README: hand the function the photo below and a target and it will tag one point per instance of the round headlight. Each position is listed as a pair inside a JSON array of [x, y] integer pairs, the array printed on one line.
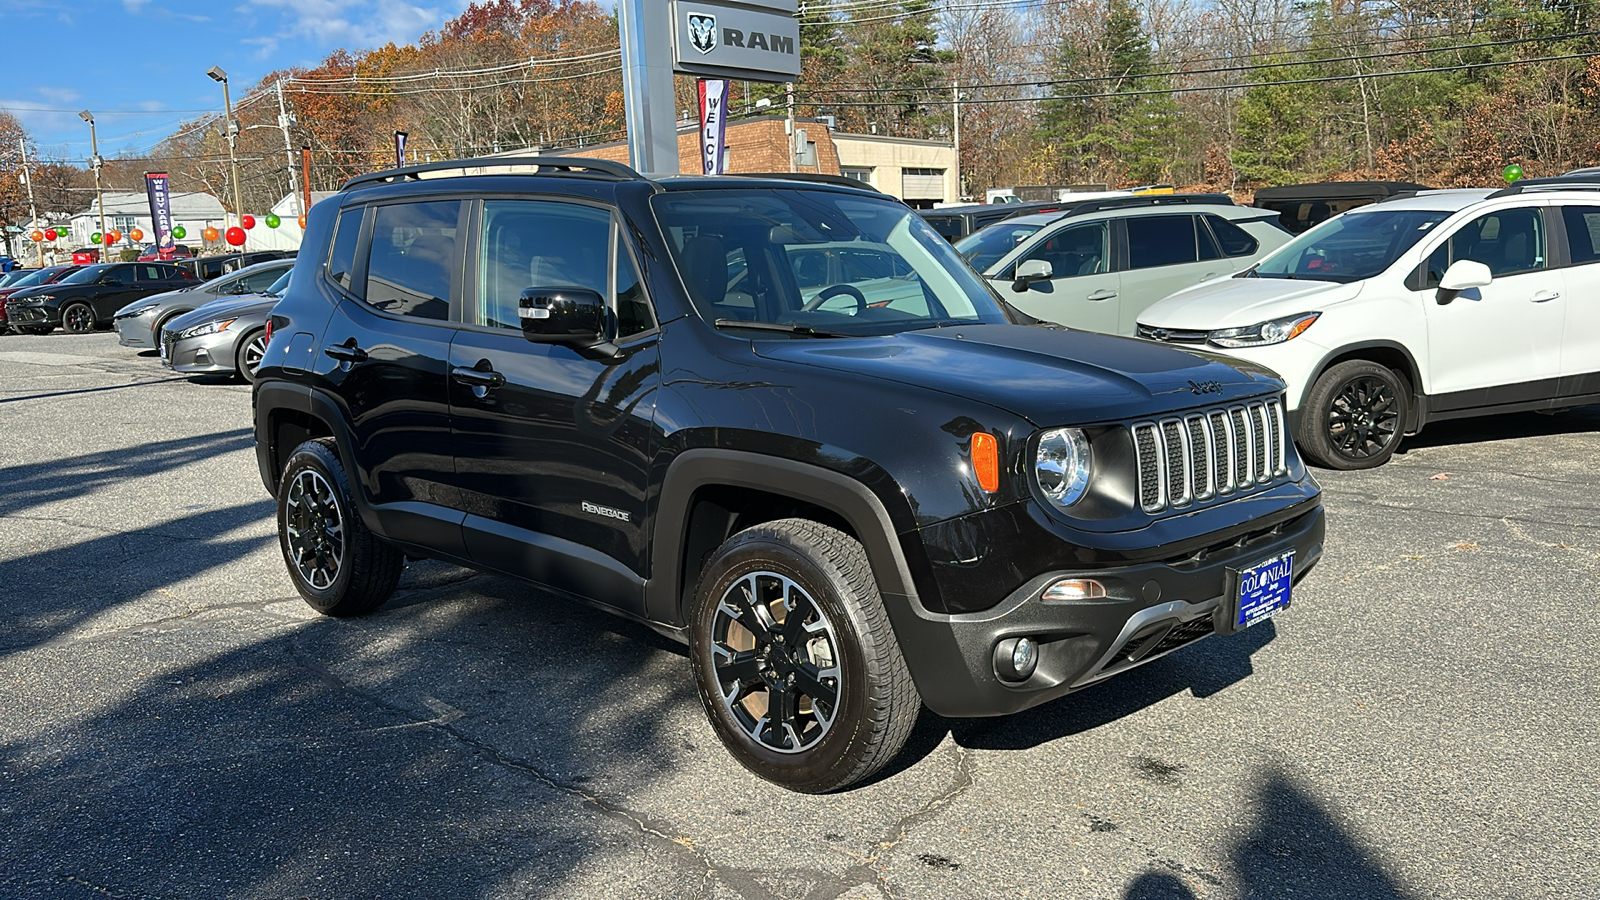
[[1062, 465]]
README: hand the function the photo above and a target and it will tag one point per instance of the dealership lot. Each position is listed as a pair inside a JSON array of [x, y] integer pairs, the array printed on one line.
[[175, 722]]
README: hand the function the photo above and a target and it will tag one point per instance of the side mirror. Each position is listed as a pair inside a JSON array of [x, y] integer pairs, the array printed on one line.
[[1462, 274], [563, 315], [1031, 271]]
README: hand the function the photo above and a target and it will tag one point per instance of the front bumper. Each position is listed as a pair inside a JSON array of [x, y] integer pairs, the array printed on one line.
[[20, 315], [1150, 609], [207, 354], [135, 330]]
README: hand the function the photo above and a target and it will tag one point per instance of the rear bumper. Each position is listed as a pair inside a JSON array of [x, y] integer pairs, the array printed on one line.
[[1149, 610]]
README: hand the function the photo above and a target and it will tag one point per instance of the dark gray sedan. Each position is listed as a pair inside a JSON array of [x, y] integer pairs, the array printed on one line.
[[139, 323], [227, 336]]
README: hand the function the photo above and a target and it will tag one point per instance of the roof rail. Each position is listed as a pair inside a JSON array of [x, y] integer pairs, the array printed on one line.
[[815, 177], [1146, 200], [571, 165], [1584, 182]]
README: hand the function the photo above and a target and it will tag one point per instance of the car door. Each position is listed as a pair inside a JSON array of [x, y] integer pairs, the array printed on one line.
[[1580, 338], [553, 444], [1500, 343], [1164, 254], [385, 352], [117, 287], [1082, 291]]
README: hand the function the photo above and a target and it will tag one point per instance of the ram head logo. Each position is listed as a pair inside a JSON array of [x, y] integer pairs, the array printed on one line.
[[703, 32]]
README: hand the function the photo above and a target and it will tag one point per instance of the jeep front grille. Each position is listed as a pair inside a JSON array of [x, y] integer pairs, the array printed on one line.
[[1210, 454]]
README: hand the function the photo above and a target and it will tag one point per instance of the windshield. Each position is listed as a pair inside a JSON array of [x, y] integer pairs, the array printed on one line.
[[85, 275], [984, 248], [818, 260], [1352, 247], [37, 277]]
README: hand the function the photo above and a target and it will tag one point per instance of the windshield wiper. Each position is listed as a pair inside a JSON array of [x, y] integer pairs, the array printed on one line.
[[785, 327]]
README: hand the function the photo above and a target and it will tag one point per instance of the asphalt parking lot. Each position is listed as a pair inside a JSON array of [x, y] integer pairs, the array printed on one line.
[[175, 722]]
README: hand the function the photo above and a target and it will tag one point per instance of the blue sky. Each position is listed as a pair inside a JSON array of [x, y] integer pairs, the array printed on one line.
[[139, 65]]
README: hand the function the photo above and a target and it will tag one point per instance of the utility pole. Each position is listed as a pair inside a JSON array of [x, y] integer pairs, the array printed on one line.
[[288, 150], [955, 114], [788, 126], [33, 210], [231, 128], [94, 163]]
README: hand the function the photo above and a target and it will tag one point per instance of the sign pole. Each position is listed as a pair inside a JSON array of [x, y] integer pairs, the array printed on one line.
[[649, 104]]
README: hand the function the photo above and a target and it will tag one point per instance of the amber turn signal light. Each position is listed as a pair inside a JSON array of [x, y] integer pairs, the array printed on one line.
[[986, 461]]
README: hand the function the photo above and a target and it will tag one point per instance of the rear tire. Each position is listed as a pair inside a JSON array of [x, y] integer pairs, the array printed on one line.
[[818, 699], [77, 318], [1354, 416], [336, 564]]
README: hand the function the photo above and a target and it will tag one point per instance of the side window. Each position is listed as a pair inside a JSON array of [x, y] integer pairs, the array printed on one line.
[[1509, 241], [342, 257], [1233, 240], [413, 258], [120, 275], [535, 243], [1077, 250], [633, 309], [256, 282], [1583, 233], [1206, 244], [1161, 241]]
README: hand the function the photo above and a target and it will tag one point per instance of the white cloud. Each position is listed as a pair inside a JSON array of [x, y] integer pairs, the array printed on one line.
[[356, 24], [59, 96], [134, 6]]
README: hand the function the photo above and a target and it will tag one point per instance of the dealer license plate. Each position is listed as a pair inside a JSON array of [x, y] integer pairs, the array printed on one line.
[[1264, 590]]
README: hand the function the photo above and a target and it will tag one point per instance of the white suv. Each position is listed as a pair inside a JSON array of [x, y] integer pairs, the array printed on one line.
[[1435, 306]]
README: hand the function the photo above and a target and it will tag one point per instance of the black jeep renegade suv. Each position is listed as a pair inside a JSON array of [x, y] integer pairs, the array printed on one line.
[[780, 421]]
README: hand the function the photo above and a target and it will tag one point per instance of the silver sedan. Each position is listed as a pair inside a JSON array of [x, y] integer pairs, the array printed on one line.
[[139, 323], [225, 337]]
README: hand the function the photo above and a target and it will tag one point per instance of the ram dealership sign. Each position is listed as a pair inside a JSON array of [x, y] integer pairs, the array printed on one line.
[[748, 40]]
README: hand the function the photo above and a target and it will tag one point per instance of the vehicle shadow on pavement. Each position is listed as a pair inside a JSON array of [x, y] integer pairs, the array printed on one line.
[[473, 739], [30, 485]]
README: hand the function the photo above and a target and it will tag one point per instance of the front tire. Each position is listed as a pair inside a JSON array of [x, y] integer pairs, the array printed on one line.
[[247, 358], [1354, 416], [336, 564], [796, 664], [77, 318]]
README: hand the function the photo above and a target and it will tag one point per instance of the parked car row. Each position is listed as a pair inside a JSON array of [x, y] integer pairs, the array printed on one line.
[[1412, 307]]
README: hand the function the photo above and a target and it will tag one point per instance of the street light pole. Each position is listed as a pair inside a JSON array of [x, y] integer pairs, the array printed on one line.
[[33, 210], [94, 163], [231, 128]]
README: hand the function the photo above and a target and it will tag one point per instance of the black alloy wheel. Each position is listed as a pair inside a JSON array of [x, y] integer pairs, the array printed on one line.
[[796, 664], [247, 359], [77, 318], [1355, 416], [336, 564]]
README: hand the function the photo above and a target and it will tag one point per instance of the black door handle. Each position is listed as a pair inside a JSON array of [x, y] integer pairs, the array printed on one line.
[[478, 377], [347, 352]]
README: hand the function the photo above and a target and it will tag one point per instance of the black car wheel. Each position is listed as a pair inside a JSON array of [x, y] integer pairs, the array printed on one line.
[[797, 666], [1354, 416], [247, 358], [77, 318], [337, 565]]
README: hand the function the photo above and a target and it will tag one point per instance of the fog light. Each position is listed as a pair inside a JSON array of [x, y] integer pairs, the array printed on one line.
[[1069, 589], [1016, 658]]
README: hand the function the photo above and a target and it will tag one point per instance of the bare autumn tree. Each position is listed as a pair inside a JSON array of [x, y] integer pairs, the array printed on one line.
[[13, 193]]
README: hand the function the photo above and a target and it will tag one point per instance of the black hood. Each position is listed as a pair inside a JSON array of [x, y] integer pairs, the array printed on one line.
[[1047, 376]]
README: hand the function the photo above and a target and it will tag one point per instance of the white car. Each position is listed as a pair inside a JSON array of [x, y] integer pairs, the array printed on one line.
[[1437, 306], [1099, 265]]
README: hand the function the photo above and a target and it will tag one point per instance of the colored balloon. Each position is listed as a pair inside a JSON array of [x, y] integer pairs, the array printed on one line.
[[302, 221], [137, 235], [1512, 173], [247, 221], [210, 234], [236, 236], [273, 221], [179, 231], [95, 238], [113, 236], [37, 236], [50, 234]]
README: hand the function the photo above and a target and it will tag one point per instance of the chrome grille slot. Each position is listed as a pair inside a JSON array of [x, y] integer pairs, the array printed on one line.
[[1209, 454]]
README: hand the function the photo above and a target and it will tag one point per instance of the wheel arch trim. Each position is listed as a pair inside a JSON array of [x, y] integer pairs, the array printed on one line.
[[1417, 414]]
